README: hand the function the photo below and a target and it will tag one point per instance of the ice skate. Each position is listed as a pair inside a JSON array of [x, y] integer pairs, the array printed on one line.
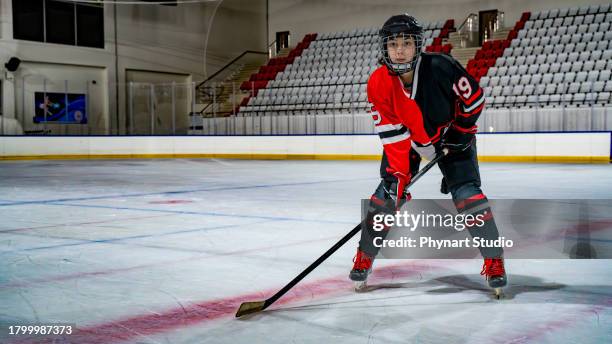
[[361, 269], [493, 270]]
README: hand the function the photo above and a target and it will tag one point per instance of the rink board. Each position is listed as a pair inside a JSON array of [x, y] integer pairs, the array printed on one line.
[[495, 147]]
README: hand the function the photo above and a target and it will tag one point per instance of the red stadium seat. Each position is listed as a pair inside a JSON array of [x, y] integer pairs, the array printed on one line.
[[519, 25], [246, 85], [525, 16]]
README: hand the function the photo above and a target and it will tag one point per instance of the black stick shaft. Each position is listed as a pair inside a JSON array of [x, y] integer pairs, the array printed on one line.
[[340, 243], [312, 266], [427, 167]]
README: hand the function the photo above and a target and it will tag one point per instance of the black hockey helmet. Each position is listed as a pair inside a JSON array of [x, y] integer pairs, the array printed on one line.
[[403, 25]]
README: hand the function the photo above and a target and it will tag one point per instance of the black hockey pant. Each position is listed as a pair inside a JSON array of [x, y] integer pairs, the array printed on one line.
[[461, 179]]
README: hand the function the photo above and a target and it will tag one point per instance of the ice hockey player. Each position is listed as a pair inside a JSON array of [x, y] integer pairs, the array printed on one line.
[[422, 103]]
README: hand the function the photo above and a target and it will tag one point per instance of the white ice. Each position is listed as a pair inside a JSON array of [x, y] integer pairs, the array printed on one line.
[[164, 251]]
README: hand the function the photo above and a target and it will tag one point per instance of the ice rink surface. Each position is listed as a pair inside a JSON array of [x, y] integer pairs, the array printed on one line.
[[164, 251]]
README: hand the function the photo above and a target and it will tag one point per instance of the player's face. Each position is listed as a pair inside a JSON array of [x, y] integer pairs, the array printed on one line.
[[402, 49]]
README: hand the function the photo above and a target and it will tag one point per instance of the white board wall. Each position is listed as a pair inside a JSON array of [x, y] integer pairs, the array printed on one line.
[[545, 147]]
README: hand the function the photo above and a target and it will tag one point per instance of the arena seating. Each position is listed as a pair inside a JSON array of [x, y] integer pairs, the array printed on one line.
[[486, 56], [328, 74], [552, 58], [560, 57], [276, 65]]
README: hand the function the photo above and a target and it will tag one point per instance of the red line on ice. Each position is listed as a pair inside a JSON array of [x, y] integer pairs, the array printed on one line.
[[198, 313], [172, 201]]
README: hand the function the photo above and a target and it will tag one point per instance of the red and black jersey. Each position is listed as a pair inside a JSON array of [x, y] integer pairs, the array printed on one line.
[[442, 94]]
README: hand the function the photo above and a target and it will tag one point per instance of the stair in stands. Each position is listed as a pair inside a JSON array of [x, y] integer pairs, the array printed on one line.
[[268, 72], [227, 97], [454, 38], [284, 52], [492, 49], [463, 55], [500, 34]]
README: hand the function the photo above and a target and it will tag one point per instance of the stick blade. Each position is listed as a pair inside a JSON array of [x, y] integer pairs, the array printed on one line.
[[250, 308]]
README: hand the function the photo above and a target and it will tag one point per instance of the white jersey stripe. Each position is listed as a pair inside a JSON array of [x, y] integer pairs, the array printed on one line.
[[396, 138], [476, 104], [388, 127], [415, 82]]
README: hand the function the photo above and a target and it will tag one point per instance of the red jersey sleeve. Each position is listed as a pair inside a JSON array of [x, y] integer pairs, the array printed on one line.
[[392, 131]]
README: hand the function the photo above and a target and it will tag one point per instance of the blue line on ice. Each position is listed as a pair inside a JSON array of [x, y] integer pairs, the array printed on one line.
[[180, 192], [184, 212], [101, 241]]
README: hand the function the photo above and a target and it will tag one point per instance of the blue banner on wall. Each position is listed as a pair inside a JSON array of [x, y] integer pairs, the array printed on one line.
[[58, 111]]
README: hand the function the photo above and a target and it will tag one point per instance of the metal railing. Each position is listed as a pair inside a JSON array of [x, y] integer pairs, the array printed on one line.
[[218, 87], [468, 31], [494, 26], [228, 65], [272, 50], [159, 108], [287, 123]]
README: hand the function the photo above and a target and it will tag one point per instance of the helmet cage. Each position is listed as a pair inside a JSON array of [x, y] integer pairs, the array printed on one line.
[[400, 68]]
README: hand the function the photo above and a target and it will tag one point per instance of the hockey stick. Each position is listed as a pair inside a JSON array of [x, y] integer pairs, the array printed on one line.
[[258, 306]]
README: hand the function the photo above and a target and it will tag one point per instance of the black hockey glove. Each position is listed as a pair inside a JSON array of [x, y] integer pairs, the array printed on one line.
[[458, 139]]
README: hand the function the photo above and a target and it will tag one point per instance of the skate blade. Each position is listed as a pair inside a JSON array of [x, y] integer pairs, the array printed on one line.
[[361, 286], [498, 293]]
